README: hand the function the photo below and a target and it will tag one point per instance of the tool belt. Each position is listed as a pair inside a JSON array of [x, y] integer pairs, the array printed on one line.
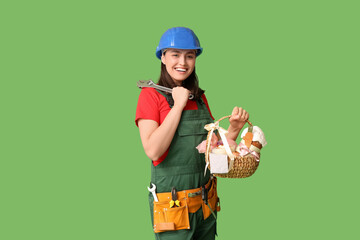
[[171, 212]]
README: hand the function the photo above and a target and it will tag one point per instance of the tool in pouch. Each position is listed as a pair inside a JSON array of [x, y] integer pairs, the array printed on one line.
[[204, 196], [174, 202], [153, 191], [151, 84]]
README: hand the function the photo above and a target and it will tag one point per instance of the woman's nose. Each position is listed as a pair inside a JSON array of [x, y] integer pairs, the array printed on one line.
[[182, 60]]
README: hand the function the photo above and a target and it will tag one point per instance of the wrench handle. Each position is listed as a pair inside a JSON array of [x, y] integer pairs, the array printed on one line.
[[150, 83], [155, 197]]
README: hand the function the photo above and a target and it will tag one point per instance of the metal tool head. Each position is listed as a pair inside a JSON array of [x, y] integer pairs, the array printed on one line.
[[173, 194], [153, 188], [144, 83]]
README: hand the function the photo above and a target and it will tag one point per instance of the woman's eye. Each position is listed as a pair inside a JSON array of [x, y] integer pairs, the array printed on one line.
[[190, 56], [175, 55]]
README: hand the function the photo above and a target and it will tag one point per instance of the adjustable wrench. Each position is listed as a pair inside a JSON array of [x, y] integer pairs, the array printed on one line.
[[152, 190], [149, 83]]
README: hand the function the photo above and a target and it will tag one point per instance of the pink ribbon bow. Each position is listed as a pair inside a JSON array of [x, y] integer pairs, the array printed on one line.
[[244, 150]]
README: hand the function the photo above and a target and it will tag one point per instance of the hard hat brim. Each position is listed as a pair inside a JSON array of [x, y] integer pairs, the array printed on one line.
[[199, 50]]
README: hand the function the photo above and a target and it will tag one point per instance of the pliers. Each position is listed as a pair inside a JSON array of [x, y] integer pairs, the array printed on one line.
[[174, 202]]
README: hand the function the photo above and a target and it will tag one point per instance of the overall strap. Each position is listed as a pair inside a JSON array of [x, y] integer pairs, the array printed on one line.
[[169, 98]]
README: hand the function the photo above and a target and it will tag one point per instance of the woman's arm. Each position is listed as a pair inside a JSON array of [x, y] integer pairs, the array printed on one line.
[[156, 139]]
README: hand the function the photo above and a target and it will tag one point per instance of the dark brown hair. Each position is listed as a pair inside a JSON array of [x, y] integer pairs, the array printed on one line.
[[191, 83]]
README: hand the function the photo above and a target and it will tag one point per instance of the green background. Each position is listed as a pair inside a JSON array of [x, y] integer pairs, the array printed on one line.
[[72, 164]]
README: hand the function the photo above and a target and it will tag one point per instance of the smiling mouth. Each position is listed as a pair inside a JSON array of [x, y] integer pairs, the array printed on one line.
[[180, 69]]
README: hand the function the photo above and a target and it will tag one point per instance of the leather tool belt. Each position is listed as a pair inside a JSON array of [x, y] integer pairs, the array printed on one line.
[[168, 218]]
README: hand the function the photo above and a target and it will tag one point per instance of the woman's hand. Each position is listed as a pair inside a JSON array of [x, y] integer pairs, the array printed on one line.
[[238, 118], [180, 96], [237, 121]]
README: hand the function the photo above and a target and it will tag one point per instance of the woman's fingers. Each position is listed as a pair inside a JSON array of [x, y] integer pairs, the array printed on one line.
[[239, 113], [243, 115], [180, 96], [235, 111]]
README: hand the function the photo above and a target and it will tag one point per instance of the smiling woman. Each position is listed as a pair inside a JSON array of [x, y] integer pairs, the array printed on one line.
[[171, 126]]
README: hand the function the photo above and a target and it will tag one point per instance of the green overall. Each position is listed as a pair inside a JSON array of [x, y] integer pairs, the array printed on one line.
[[183, 168]]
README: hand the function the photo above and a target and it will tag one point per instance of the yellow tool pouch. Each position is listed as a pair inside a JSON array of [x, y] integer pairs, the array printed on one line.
[[170, 219]]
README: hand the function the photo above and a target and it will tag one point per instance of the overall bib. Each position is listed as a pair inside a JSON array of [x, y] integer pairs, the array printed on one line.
[[183, 168]]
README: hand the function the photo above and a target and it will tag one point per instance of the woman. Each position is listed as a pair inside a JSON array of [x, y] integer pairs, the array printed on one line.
[[171, 126]]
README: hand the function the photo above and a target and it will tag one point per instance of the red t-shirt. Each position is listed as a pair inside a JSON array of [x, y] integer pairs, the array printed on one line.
[[152, 105]]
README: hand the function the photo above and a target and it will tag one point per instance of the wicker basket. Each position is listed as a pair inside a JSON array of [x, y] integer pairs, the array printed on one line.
[[242, 166]]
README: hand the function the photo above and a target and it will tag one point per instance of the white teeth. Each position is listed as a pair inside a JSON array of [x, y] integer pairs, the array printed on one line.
[[180, 69]]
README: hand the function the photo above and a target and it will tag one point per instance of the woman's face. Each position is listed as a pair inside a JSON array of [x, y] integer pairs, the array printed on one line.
[[180, 63]]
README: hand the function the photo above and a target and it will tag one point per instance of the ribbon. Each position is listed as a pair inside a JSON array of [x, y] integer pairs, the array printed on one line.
[[244, 150], [211, 127]]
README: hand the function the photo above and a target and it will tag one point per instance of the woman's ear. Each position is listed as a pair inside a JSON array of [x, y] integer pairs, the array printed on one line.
[[163, 59]]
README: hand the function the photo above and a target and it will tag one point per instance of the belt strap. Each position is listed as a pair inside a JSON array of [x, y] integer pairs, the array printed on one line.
[[200, 191], [184, 193]]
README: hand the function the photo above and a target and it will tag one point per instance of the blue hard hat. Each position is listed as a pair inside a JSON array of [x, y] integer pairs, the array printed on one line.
[[180, 38]]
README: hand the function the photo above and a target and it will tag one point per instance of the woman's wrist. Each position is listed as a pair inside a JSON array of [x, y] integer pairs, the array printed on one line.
[[178, 107], [233, 132], [235, 129]]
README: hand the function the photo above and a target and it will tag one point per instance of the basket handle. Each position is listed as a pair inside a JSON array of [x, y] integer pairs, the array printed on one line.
[[229, 117]]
